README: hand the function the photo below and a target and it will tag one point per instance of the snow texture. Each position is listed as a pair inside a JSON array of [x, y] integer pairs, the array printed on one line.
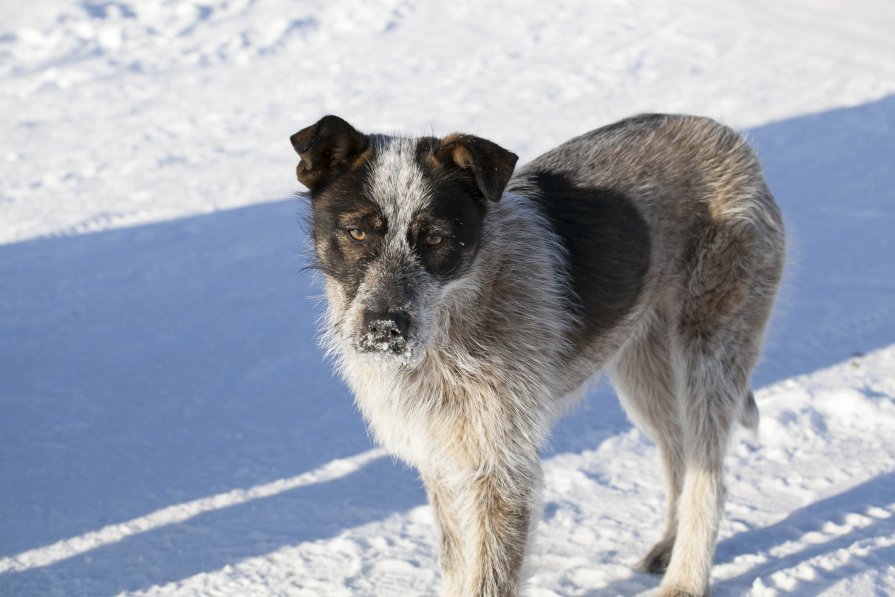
[[167, 423]]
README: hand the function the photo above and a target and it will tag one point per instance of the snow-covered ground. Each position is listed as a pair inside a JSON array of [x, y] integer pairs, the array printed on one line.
[[167, 425]]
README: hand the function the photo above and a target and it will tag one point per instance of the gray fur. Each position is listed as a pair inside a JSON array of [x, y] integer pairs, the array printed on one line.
[[497, 355]]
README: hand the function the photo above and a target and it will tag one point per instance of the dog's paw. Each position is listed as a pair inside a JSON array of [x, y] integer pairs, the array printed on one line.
[[656, 560]]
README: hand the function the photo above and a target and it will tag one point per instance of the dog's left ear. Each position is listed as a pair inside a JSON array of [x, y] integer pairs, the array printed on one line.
[[490, 164], [325, 148]]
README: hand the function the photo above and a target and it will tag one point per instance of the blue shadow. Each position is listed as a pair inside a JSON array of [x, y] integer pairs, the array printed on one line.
[[878, 492]]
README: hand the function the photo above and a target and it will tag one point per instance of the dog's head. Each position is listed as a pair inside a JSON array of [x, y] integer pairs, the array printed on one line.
[[396, 223]]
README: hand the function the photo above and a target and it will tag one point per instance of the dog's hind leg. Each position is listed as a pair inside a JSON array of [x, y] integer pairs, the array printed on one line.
[[708, 413], [716, 342], [644, 380]]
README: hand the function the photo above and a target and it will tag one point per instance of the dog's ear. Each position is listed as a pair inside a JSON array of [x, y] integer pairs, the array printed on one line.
[[324, 147], [490, 164]]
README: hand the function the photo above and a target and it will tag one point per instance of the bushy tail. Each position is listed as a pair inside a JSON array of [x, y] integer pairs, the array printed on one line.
[[749, 415]]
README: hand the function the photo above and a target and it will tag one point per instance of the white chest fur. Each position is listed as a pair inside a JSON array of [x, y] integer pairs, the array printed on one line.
[[395, 411]]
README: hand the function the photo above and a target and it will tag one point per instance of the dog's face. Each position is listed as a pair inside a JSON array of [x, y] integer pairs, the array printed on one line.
[[396, 223]]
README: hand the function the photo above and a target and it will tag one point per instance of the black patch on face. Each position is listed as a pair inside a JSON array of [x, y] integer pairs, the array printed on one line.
[[338, 211], [454, 215], [608, 246]]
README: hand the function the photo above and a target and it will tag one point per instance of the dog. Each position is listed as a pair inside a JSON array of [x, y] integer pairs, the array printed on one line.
[[468, 307]]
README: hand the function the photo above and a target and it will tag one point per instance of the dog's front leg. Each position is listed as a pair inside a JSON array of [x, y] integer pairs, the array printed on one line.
[[499, 506], [443, 499]]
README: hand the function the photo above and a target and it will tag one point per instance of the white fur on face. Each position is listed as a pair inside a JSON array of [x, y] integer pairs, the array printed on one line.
[[397, 280], [397, 184]]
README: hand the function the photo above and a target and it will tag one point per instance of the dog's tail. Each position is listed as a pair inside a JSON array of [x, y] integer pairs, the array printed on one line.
[[749, 415]]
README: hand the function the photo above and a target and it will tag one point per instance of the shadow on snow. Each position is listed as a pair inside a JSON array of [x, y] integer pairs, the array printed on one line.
[[878, 492]]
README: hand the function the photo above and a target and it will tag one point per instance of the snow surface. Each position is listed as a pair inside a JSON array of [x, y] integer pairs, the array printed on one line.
[[167, 424]]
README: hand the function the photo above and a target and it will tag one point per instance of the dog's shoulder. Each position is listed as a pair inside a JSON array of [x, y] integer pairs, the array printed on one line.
[[606, 241]]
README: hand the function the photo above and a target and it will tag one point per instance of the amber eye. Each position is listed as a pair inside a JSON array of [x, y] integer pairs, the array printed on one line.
[[434, 239], [357, 234]]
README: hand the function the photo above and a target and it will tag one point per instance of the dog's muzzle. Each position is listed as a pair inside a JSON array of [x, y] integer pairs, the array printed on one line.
[[385, 332]]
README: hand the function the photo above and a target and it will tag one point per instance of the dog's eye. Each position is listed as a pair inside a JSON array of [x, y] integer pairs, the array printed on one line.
[[357, 234], [434, 239]]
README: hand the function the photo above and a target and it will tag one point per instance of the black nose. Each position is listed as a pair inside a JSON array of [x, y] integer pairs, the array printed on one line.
[[386, 326]]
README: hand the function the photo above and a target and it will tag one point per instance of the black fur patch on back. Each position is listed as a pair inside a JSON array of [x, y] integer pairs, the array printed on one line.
[[608, 246]]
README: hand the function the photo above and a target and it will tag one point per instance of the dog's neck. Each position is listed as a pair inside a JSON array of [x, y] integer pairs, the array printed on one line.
[[489, 314]]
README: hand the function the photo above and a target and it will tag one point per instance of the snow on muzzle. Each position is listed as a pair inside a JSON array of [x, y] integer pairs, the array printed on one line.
[[390, 311]]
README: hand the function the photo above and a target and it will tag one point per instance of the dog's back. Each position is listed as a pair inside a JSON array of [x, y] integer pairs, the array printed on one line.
[[637, 203]]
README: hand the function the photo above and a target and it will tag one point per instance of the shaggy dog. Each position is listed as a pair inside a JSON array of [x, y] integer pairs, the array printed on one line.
[[468, 307]]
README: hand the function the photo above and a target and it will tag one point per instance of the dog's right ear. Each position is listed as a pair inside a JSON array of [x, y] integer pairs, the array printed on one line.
[[325, 148]]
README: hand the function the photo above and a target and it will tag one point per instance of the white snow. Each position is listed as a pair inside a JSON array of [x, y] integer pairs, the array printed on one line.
[[167, 424]]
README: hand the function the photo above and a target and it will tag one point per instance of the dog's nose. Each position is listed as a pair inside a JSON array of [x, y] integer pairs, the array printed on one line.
[[386, 326]]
